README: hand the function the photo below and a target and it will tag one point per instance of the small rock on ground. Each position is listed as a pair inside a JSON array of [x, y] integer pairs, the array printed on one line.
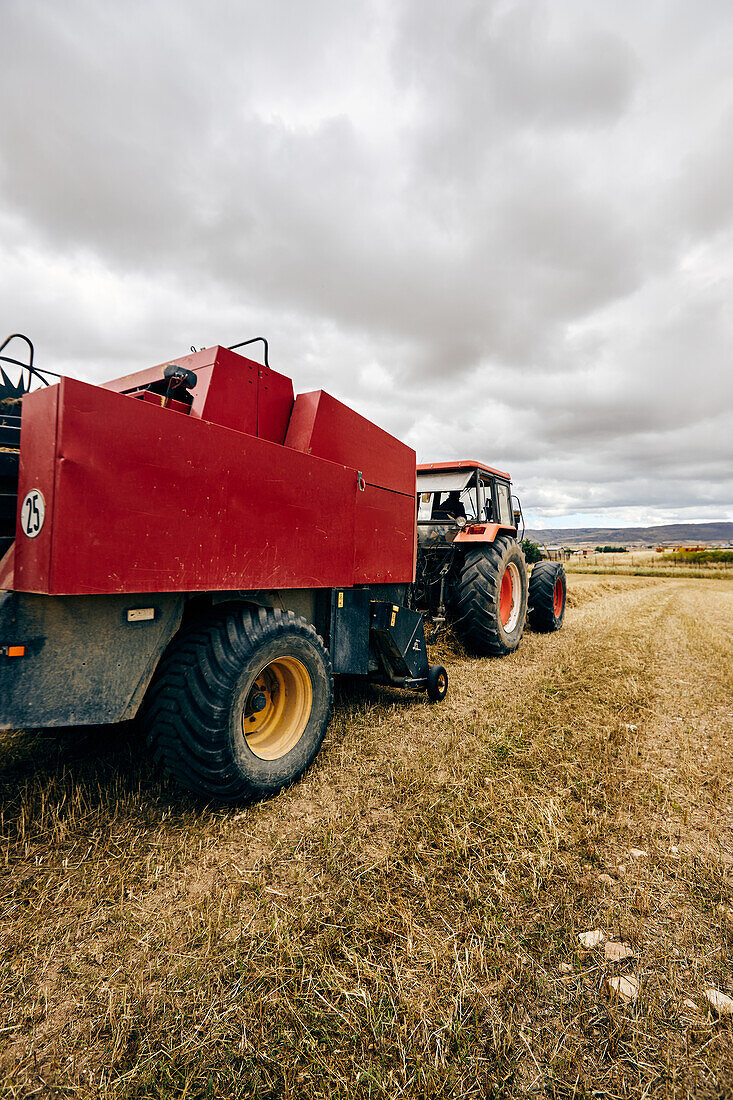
[[625, 987], [615, 952], [721, 1002], [593, 938]]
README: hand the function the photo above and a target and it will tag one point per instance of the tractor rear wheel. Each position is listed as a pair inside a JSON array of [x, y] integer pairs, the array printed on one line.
[[240, 703], [489, 599], [547, 595]]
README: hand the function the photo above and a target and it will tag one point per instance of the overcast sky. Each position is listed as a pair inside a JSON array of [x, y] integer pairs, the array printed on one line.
[[503, 230]]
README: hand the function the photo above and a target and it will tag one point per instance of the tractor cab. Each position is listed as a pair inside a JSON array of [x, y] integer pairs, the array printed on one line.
[[469, 565], [470, 568], [465, 499]]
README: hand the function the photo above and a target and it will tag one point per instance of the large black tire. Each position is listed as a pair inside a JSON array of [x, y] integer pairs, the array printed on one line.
[[488, 603], [240, 703], [547, 596]]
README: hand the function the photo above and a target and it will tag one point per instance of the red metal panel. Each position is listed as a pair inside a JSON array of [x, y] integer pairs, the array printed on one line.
[[230, 390], [37, 471], [226, 393], [323, 426], [226, 386], [384, 537], [149, 501], [274, 405], [195, 361], [302, 420], [462, 464], [162, 401]]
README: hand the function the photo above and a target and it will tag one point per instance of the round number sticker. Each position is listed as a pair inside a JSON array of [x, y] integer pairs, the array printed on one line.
[[32, 513]]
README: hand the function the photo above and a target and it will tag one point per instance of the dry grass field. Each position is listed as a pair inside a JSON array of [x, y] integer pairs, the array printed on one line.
[[404, 921]]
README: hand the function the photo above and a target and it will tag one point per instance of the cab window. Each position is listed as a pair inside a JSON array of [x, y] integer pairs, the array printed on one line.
[[505, 504], [468, 500], [488, 511], [425, 505], [437, 506]]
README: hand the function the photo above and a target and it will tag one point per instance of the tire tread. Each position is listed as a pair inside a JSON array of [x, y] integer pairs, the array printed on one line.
[[541, 613], [187, 705], [474, 598]]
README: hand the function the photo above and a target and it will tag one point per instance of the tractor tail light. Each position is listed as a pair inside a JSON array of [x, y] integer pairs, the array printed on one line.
[[475, 529], [15, 651]]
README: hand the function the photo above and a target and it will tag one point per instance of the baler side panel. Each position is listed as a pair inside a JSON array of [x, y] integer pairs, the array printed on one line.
[[38, 433], [384, 540], [385, 532], [148, 500], [275, 399], [226, 393], [230, 390], [302, 420], [196, 361], [321, 425]]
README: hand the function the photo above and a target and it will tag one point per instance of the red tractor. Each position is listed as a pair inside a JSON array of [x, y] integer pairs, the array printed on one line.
[[195, 544], [470, 566]]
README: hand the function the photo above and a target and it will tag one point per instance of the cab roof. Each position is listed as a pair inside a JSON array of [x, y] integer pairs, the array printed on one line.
[[461, 464]]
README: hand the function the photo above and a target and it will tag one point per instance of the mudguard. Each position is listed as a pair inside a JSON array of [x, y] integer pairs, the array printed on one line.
[[86, 660]]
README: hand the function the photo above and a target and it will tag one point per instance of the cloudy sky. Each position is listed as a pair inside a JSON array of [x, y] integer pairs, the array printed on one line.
[[503, 229]]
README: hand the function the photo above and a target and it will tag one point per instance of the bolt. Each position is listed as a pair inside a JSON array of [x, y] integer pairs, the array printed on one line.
[[259, 701]]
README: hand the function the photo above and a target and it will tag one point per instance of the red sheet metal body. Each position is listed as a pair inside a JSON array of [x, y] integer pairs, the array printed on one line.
[[323, 426], [386, 533], [38, 471], [385, 537], [140, 498], [231, 390]]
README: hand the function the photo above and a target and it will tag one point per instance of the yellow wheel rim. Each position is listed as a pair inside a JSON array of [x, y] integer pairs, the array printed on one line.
[[278, 707]]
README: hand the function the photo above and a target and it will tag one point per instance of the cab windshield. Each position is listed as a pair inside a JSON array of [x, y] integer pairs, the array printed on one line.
[[448, 505]]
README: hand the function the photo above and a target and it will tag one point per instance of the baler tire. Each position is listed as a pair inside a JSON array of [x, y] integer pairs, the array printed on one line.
[[240, 703], [547, 596], [479, 595], [437, 686]]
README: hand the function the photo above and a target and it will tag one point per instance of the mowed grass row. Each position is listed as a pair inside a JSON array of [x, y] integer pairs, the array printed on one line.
[[399, 923]]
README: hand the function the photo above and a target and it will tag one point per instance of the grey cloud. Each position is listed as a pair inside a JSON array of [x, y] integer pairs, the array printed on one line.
[[501, 229]]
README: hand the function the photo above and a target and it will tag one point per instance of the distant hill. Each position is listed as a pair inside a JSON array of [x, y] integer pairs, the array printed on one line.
[[679, 533]]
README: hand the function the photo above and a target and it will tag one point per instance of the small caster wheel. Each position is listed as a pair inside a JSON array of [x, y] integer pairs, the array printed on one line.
[[437, 683]]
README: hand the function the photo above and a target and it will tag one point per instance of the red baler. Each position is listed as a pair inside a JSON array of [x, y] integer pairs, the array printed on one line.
[[195, 543]]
